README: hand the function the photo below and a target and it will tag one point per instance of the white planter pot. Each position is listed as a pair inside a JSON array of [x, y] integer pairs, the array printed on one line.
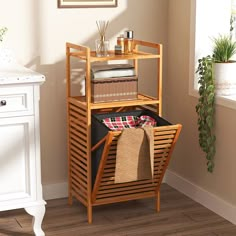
[[225, 78]]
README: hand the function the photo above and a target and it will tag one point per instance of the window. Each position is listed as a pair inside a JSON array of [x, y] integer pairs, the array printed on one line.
[[209, 19]]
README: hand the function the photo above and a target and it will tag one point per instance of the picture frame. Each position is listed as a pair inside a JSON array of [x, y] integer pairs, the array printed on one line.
[[86, 3]]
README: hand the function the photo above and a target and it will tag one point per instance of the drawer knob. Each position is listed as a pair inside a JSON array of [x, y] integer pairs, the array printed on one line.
[[3, 102]]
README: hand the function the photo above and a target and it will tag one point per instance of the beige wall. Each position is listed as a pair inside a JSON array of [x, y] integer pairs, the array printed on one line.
[[37, 33], [188, 160]]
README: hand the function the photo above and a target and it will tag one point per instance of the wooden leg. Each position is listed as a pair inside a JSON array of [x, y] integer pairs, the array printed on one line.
[[158, 202], [38, 213], [90, 213], [70, 198]]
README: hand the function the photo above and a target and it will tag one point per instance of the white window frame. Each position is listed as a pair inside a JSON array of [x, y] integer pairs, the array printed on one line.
[[215, 15]]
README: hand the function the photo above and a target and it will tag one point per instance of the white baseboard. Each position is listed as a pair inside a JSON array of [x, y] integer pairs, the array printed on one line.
[[54, 191], [198, 194]]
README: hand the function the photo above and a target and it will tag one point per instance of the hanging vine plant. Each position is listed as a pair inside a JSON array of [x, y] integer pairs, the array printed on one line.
[[206, 109]]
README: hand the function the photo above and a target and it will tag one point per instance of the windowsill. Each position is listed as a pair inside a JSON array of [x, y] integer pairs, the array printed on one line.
[[200, 36], [226, 101]]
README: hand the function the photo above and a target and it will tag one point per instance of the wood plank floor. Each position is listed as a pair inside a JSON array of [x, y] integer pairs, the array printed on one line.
[[179, 216]]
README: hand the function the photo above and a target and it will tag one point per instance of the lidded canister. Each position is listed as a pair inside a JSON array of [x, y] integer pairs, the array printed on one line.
[[121, 42], [129, 35]]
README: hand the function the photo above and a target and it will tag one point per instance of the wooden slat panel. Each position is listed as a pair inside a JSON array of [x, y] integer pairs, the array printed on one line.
[[125, 192], [80, 118], [108, 174], [77, 144], [78, 155], [127, 184], [162, 146], [105, 179], [76, 121], [78, 110], [160, 155], [123, 198], [110, 166], [78, 188], [159, 151], [81, 129], [163, 141], [80, 197], [112, 153], [75, 115], [111, 161], [115, 189], [75, 101], [78, 139], [78, 168], [107, 190], [79, 174], [163, 132], [160, 137], [79, 181]]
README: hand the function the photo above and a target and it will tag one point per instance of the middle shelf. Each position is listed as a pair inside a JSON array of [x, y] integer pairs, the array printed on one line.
[[142, 100]]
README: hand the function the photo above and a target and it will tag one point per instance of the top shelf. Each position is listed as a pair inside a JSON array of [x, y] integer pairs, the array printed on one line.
[[113, 56], [84, 53]]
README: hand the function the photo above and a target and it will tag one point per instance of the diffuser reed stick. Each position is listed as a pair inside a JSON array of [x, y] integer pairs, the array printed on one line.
[[102, 27]]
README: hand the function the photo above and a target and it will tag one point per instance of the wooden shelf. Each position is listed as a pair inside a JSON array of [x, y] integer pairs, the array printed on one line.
[[84, 53], [154, 51], [142, 100], [112, 56]]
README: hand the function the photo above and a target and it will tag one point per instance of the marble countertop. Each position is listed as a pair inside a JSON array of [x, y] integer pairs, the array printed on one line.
[[11, 72]]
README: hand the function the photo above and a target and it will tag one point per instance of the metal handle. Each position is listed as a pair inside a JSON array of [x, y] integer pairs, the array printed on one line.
[[3, 102]]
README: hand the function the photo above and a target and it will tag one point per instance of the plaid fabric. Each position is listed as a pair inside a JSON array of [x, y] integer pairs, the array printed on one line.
[[124, 122], [145, 120], [119, 123]]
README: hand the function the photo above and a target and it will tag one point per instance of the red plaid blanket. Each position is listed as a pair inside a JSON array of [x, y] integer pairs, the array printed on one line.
[[124, 122]]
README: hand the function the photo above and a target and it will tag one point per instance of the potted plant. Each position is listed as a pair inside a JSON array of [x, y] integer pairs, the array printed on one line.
[[224, 67], [209, 69]]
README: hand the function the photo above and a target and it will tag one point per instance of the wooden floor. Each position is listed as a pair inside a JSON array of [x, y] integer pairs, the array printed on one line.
[[179, 216]]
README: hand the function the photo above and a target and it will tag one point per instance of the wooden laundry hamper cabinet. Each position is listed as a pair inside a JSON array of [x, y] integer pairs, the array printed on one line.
[[101, 189]]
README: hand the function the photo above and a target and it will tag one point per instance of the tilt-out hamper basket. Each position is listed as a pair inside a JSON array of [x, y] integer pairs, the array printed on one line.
[[104, 149]]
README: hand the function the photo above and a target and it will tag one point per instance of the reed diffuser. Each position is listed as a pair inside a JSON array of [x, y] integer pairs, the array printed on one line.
[[102, 45]]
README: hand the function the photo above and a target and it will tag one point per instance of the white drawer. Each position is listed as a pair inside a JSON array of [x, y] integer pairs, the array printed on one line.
[[16, 101]]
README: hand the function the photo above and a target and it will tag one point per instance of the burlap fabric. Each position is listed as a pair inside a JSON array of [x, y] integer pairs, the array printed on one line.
[[134, 159]]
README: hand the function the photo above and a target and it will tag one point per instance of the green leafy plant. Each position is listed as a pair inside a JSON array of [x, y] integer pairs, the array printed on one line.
[[206, 110], [224, 48], [3, 30]]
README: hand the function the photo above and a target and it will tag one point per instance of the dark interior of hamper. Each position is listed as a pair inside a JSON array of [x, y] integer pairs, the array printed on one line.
[[114, 89], [99, 131]]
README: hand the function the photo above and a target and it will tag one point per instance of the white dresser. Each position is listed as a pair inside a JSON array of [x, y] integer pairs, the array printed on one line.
[[20, 164]]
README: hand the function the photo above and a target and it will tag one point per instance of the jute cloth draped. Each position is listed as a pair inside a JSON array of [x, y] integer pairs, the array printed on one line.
[[134, 158]]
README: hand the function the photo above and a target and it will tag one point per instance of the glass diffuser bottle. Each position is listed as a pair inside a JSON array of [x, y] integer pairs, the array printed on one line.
[[102, 45]]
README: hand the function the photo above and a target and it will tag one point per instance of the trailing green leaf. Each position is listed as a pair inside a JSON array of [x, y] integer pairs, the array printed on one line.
[[205, 109]]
